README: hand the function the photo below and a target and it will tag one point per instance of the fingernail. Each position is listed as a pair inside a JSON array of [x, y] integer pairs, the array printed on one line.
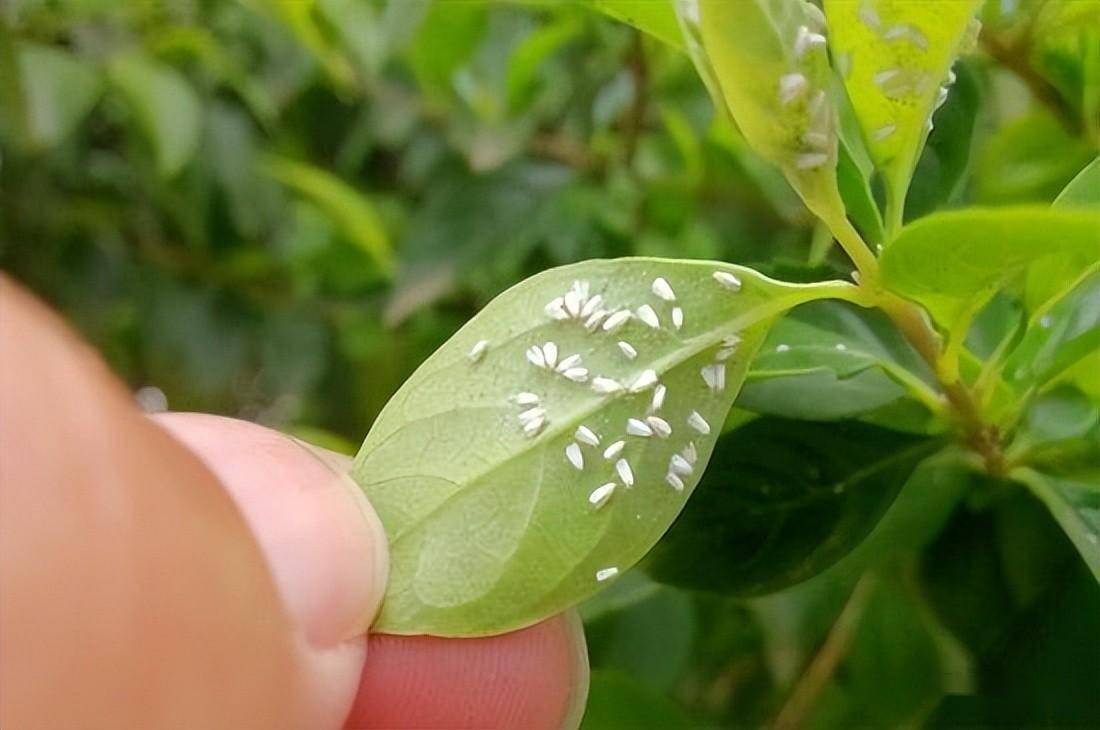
[[323, 543]]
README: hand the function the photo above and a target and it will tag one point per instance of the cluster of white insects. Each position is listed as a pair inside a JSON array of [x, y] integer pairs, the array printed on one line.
[[589, 311], [898, 83], [795, 87]]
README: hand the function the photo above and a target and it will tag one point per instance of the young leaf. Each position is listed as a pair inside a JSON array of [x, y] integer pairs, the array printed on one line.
[[896, 56], [165, 106], [1058, 337], [769, 59], [1075, 503], [828, 360], [782, 501], [58, 90], [493, 495], [953, 262]]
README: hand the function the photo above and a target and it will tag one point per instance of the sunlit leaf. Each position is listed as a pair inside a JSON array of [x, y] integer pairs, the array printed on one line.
[[783, 500], [953, 262], [58, 91], [656, 17], [472, 464], [350, 209], [770, 62], [165, 106], [896, 56], [1075, 504]]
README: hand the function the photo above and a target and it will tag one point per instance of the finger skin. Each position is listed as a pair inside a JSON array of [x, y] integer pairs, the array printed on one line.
[[529, 679], [131, 593]]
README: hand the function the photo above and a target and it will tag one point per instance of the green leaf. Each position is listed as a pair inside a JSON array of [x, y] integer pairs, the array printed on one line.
[[490, 524], [1083, 191], [829, 360], [1058, 337], [350, 209], [782, 501], [1061, 414], [58, 91], [896, 56], [1075, 504], [655, 17], [953, 262], [166, 108], [770, 62]]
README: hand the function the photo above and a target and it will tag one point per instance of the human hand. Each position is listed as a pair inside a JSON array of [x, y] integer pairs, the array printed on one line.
[[202, 572]]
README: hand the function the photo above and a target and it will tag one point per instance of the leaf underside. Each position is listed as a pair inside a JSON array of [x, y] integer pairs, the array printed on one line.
[[491, 529]]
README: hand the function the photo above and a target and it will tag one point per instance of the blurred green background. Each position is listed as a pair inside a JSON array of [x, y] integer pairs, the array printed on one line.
[[277, 210]]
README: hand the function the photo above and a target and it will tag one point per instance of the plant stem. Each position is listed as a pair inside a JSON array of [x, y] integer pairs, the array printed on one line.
[[853, 244]]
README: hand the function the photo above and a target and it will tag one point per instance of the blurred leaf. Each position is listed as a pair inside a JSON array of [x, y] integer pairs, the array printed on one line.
[[656, 17], [477, 465], [895, 55], [1075, 503], [58, 90], [946, 158], [953, 262], [782, 501], [651, 640], [633, 588], [448, 36], [828, 360], [165, 107], [305, 20], [617, 701], [529, 57], [1058, 415], [351, 210], [1028, 159]]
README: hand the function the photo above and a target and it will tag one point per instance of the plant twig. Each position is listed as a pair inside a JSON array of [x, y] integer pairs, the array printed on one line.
[[821, 669]]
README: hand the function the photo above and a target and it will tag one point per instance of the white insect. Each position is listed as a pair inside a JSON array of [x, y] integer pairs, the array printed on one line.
[[811, 160], [731, 341], [587, 436], [884, 132], [807, 40], [841, 346], [576, 458], [614, 450], [628, 349], [478, 350], [675, 481], [696, 421], [626, 474], [577, 375], [591, 306], [525, 399], [659, 426], [904, 31], [606, 573], [680, 465], [634, 427], [714, 376], [870, 17], [531, 414], [677, 317], [689, 453], [724, 354], [605, 386], [568, 362], [555, 309], [659, 394], [647, 315], [663, 289], [1046, 321], [616, 320], [535, 356], [782, 348], [601, 494], [814, 138], [531, 428], [550, 354], [647, 379], [595, 319], [573, 302], [727, 280], [791, 87]]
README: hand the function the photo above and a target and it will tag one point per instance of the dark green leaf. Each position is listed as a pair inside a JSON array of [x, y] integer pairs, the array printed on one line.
[[783, 500], [617, 701], [1075, 503]]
